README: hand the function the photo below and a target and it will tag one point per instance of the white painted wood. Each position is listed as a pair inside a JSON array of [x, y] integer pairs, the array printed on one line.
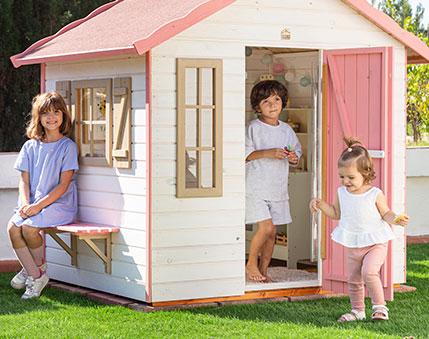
[[198, 219], [317, 25], [201, 254], [125, 219], [184, 290], [199, 271], [91, 263], [208, 222], [97, 281], [198, 237], [108, 195]]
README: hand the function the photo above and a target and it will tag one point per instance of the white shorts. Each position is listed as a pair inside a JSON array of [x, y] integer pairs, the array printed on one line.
[[259, 210]]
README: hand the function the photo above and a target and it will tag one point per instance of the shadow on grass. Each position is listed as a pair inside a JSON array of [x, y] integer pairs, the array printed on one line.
[[51, 299]]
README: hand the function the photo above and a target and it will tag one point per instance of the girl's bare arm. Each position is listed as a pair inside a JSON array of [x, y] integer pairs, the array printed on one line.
[[24, 188], [54, 195], [387, 214], [332, 211]]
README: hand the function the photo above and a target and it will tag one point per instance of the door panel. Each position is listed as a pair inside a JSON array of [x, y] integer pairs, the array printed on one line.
[[358, 94]]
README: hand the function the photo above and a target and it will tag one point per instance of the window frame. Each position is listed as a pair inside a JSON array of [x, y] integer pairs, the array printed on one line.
[[76, 85], [217, 127]]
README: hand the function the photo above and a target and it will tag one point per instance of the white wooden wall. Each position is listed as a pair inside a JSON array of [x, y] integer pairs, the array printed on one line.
[[108, 195], [198, 244]]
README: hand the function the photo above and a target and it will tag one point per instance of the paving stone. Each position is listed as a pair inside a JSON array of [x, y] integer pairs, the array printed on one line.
[[306, 297], [418, 239], [404, 288], [141, 307], [69, 288], [9, 266], [109, 299]]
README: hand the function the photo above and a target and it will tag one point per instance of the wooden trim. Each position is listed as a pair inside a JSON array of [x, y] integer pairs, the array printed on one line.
[[247, 296], [77, 113], [42, 78], [149, 183], [71, 250], [324, 155], [121, 98], [199, 64]]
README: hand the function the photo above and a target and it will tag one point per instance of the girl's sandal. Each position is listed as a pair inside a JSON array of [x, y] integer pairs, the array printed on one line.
[[380, 312], [354, 315]]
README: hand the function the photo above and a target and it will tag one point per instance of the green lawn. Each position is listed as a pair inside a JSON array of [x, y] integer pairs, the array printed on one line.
[[64, 315]]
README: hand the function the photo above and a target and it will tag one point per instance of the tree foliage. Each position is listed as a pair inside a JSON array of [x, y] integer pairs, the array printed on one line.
[[417, 75], [23, 22]]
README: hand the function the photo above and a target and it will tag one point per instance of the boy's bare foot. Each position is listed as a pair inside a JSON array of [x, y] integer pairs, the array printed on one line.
[[268, 279], [253, 274]]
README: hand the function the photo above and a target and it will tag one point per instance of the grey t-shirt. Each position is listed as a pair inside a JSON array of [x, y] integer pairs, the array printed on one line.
[[267, 178]]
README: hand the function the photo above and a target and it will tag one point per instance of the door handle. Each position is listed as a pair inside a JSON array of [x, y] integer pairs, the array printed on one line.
[[376, 153]]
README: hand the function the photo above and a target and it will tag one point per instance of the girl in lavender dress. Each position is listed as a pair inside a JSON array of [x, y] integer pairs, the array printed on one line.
[[48, 163]]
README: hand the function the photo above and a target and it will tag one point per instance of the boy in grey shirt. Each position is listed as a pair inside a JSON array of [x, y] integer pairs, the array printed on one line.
[[271, 145]]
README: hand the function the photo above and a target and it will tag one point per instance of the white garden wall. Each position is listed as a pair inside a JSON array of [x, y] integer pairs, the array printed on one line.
[[417, 190], [9, 179]]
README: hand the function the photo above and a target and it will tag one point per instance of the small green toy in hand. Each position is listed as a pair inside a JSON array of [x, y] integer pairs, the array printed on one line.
[[289, 148]]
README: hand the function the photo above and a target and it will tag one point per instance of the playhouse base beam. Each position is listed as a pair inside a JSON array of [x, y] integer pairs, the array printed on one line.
[[290, 292]]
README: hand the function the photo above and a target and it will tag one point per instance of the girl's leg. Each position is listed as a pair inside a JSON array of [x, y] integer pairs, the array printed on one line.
[[355, 282], [21, 250], [258, 240], [267, 248], [372, 263], [35, 243]]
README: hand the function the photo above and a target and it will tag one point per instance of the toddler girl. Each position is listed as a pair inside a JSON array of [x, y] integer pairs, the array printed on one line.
[[363, 229], [47, 188]]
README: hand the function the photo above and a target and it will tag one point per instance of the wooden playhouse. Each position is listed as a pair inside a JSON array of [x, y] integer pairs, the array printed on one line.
[[159, 95]]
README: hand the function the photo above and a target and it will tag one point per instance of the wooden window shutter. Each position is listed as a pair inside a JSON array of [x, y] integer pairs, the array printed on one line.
[[121, 152], [64, 88]]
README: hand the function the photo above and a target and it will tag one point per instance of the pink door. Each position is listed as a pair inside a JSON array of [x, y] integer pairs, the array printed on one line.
[[358, 102]]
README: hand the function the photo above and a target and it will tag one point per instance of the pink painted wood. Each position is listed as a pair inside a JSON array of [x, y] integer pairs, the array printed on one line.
[[359, 104], [87, 228]]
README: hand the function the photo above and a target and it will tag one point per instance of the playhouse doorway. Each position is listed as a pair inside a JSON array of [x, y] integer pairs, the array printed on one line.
[[296, 261]]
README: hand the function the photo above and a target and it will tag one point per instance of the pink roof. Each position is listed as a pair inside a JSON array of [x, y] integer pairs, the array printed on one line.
[[136, 26]]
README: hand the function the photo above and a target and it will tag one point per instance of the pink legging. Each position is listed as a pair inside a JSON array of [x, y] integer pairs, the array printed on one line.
[[364, 266]]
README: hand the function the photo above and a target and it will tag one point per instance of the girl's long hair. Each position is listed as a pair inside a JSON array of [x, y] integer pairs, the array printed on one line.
[[46, 102], [357, 153]]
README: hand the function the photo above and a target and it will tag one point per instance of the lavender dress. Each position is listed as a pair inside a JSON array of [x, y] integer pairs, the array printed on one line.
[[45, 162]]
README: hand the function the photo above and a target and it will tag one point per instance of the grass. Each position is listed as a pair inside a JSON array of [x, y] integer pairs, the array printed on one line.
[[65, 315]]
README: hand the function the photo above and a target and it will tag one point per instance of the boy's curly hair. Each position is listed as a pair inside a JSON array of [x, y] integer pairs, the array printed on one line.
[[265, 89], [357, 153]]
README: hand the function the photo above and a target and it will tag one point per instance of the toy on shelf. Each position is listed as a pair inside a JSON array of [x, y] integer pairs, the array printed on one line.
[[295, 125], [281, 239]]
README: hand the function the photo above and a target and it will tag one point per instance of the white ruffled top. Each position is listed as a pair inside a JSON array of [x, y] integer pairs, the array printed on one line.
[[360, 223]]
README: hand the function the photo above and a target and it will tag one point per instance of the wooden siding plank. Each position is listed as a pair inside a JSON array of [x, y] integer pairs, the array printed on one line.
[[206, 289], [198, 237], [97, 281], [199, 254], [198, 271], [133, 272]]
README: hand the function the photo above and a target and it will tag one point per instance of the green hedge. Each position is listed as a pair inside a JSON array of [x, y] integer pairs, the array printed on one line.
[[22, 22]]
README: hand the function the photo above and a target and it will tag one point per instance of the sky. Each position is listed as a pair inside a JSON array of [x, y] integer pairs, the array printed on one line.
[[425, 4]]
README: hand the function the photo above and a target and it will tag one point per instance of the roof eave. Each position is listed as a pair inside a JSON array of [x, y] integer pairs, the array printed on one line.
[[174, 27], [17, 62], [18, 59]]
